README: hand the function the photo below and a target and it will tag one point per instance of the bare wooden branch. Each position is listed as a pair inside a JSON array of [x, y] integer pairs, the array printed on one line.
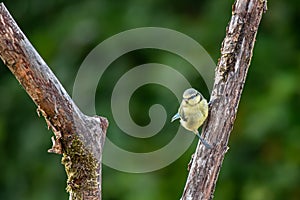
[[78, 137], [236, 53]]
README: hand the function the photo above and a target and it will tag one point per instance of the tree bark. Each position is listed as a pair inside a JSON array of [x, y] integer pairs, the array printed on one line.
[[230, 75], [78, 137]]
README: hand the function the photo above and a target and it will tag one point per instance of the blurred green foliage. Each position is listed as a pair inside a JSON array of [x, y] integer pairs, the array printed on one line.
[[263, 161]]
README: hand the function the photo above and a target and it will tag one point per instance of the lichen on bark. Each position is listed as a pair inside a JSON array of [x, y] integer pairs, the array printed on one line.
[[81, 169]]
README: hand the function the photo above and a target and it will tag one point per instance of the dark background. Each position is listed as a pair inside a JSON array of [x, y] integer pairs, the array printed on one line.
[[263, 161]]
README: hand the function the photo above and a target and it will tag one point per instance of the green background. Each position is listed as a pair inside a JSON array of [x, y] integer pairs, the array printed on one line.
[[263, 161]]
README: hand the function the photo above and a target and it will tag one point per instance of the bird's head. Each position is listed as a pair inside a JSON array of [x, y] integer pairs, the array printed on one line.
[[191, 97]]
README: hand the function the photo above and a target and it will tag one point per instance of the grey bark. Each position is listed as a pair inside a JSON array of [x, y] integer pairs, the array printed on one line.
[[230, 76]]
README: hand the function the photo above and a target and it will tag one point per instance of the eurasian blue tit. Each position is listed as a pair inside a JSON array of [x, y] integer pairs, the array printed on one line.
[[192, 112]]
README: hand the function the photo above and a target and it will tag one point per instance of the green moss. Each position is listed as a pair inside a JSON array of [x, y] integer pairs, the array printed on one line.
[[81, 169]]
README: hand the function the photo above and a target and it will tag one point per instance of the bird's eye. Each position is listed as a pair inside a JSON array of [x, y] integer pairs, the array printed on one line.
[[193, 96]]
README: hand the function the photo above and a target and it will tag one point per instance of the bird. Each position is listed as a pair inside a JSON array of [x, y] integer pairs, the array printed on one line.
[[192, 112]]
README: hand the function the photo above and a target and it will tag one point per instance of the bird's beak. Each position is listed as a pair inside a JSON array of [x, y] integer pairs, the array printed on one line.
[[176, 116]]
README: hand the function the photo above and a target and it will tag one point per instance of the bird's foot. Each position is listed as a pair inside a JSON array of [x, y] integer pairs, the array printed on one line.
[[204, 142]]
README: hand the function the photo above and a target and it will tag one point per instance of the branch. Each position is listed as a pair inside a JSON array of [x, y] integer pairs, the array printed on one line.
[[236, 53], [78, 137]]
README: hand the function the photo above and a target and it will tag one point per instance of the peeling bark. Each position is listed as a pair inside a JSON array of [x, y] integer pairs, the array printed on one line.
[[230, 76], [78, 137]]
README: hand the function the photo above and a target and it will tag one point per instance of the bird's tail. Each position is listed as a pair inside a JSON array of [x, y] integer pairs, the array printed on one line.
[[176, 116]]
